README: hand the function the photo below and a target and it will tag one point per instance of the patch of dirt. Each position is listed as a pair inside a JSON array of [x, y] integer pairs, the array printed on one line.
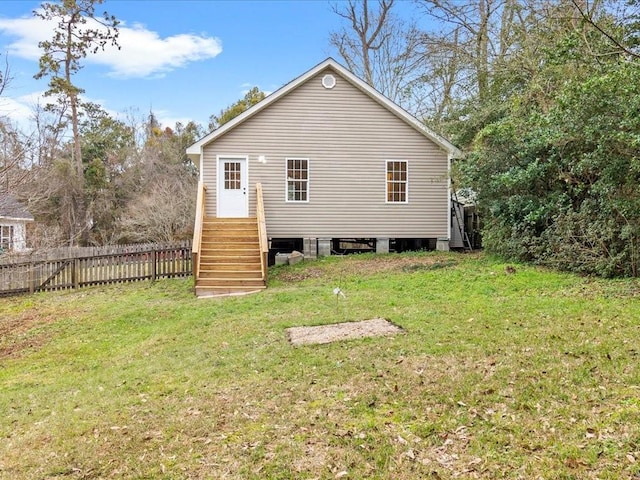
[[397, 262], [15, 335], [300, 275], [341, 331], [370, 265], [15, 349]]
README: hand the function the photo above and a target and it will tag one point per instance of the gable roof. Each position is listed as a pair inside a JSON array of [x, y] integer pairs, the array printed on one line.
[[195, 150], [11, 209]]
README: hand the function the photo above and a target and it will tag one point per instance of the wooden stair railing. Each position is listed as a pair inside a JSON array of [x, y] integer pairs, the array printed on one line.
[[197, 231], [229, 255], [262, 231]]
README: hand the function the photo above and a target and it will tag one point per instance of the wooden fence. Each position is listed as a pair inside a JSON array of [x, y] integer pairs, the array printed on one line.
[[43, 271]]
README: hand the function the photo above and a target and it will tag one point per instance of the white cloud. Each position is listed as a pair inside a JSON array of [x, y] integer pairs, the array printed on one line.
[[21, 109], [142, 53], [166, 119], [29, 31]]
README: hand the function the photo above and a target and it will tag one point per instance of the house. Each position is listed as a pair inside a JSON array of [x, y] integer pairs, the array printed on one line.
[[325, 160], [13, 224]]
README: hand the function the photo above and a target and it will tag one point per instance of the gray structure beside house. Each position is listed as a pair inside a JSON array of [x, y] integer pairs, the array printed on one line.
[[13, 224], [335, 160]]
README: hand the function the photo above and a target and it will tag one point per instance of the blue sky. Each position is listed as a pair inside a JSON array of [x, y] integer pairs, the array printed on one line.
[[185, 59]]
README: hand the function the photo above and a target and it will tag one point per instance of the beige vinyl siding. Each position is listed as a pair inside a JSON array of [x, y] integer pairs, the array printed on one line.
[[347, 138]]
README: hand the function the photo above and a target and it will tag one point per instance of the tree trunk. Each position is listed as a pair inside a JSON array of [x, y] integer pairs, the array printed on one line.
[[482, 50], [80, 234]]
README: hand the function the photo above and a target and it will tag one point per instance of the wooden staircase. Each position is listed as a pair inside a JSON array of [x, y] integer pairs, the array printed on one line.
[[229, 257]]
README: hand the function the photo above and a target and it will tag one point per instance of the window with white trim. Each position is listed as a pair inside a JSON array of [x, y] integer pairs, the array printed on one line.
[[6, 237], [397, 179], [297, 179]]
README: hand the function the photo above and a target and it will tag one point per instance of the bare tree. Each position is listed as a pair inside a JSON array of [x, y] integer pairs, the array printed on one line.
[[476, 35], [161, 186], [161, 212], [13, 152], [428, 72], [379, 47], [5, 75]]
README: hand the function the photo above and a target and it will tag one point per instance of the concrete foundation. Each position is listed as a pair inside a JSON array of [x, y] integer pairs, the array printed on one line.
[[310, 247], [282, 258], [442, 244], [324, 247], [382, 245]]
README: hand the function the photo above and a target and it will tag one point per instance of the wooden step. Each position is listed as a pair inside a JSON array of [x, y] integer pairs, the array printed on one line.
[[244, 274], [215, 227], [204, 292], [210, 260], [224, 234], [230, 258], [230, 252], [229, 234], [230, 282], [230, 222], [231, 265], [245, 232], [230, 243]]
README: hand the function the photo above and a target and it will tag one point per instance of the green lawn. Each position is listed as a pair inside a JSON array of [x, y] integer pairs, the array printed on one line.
[[532, 374]]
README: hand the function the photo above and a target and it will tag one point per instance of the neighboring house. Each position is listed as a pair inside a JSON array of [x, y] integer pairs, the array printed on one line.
[[336, 161], [13, 220]]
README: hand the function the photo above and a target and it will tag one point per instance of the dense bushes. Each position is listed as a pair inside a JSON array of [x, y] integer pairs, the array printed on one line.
[[559, 184]]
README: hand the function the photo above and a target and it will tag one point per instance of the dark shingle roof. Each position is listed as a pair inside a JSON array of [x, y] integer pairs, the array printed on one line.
[[11, 208]]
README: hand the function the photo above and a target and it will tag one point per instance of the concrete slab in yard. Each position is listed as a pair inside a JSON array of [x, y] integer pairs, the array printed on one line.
[[341, 331]]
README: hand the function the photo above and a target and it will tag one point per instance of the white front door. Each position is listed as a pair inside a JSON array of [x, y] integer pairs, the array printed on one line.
[[233, 197]]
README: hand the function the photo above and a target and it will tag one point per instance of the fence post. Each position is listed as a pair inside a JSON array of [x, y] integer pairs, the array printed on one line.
[[153, 265], [75, 272], [32, 278]]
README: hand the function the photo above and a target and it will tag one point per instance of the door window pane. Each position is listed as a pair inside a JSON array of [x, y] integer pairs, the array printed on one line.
[[232, 175]]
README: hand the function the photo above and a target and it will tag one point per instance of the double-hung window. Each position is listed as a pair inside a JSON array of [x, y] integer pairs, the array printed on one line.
[[297, 179], [6, 237], [397, 180]]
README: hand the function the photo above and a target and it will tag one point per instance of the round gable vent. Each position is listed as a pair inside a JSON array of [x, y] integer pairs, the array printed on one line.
[[328, 81]]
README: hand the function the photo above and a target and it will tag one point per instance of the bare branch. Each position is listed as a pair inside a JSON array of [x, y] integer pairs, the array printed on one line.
[[5, 75], [588, 17]]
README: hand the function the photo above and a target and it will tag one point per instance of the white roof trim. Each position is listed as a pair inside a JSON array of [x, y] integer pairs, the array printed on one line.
[[7, 220], [195, 150]]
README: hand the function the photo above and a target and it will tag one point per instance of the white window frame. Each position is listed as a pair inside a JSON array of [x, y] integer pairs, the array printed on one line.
[[386, 183], [287, 180], [7, 233]]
